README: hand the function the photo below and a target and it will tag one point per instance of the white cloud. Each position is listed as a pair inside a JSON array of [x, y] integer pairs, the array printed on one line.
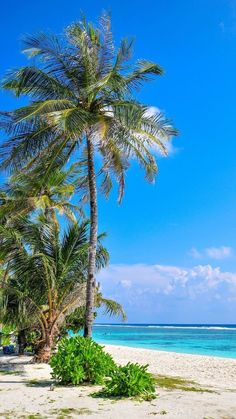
[[170, 148], [125, 283], [148, 292], [164, 279], [195, 253], [218, 253], [152, 110]]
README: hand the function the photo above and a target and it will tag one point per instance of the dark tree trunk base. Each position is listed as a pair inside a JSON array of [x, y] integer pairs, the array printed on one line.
[[21, 342], [43, 354], [43, 350]]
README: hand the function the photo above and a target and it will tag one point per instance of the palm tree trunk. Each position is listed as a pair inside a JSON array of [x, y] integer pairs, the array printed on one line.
[[43, 350], [91, 281], [1, 333], [21, 341]]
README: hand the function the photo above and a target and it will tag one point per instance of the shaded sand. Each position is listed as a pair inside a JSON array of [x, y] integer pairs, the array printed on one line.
[[25, 389]]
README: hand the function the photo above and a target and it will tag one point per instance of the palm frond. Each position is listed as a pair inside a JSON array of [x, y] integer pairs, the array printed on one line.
[[111, 307]]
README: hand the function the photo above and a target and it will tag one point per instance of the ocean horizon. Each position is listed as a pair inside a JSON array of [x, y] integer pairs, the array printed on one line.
[[198, 339]]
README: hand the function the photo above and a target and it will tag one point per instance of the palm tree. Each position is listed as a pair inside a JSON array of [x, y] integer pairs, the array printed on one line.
[[81, 99], [13, 313], [31, 192], [46, 277]]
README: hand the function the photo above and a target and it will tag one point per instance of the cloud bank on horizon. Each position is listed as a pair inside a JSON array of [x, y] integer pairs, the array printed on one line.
[[171, 294]]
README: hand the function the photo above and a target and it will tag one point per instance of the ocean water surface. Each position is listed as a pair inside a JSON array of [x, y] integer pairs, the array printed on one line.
[[213, 340]]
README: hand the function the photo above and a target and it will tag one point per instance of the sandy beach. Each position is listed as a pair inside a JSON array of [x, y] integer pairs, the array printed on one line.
[[25, 389]]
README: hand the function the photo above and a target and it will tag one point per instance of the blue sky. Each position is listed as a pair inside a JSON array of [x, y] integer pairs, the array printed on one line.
[[172, 244]]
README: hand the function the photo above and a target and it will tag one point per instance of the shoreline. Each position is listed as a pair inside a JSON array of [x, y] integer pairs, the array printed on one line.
[[200, 340], [165, 351]]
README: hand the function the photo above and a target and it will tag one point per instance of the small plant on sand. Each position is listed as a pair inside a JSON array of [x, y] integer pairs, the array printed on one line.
[[131, 380], [81, 360], [66, 412]]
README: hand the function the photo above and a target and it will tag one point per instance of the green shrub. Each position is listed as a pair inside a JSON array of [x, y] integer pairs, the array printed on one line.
[[131, 380], [5, 335], [81, 360]]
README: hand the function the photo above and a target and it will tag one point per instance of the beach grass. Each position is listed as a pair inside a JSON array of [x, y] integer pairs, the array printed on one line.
[[10, 372], [66, 412], [177, 383]]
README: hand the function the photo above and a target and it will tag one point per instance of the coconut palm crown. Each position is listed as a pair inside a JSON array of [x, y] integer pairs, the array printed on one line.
[[33, 192]]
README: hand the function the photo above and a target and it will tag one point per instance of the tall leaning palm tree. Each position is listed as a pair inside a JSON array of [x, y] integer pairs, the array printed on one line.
[[81, 100]]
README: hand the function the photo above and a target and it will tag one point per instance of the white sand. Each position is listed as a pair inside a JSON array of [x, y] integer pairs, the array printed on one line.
[[21, 398], [207, 370]]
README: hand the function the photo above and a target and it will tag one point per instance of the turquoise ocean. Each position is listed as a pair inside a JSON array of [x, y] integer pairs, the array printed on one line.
[[207, 339]]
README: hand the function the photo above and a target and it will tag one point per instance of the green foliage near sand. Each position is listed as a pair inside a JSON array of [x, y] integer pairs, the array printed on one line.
[[81, 360], [6, 329], [131, 380]]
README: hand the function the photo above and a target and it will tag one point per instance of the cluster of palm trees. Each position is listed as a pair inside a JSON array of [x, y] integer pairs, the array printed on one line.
[[44, 267], [77, 134]]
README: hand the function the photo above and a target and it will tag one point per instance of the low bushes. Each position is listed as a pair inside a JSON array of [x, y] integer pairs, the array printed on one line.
[[80, 360], [131, 380]]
